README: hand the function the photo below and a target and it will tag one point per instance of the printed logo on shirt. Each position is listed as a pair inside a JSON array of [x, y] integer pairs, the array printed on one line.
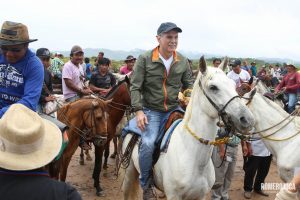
[[9, 98], [10, 76]]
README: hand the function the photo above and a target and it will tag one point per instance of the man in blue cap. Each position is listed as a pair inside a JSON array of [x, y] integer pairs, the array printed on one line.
[[21, 71], [158, 76]]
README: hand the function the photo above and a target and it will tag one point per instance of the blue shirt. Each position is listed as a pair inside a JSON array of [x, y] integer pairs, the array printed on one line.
[[253, 70], [88, 70], [21, 82]]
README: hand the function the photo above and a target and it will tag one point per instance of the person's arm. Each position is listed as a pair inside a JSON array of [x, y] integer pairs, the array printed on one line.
[[296, 85], [280, 86], [137, 81], [70, 84], [33, 82], [187, 81], [96, 89]]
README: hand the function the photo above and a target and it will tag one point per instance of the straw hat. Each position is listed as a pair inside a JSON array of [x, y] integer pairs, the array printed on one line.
[[13, 33], [26, 140]]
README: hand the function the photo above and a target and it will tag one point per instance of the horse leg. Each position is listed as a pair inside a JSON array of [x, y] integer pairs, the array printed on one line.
[[66, 158], [115, 140], [88, 156], [106, 154], [130, 184], [54, 168], [97, 170], [81, 159]]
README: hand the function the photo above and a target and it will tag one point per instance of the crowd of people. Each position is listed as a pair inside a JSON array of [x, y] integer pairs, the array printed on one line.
[[158, 76]]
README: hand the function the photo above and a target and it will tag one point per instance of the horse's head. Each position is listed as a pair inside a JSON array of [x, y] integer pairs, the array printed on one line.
[[220, 97], [95, 120], [245, 87]]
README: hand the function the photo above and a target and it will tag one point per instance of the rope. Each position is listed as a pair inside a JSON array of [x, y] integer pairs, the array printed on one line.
[[219, 141], [123, 159]]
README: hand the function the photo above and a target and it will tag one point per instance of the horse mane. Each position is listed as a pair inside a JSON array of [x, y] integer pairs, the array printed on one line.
[[114, 89], [273, 105]]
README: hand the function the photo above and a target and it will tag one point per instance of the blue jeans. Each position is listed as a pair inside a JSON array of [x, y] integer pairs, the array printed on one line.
[[147, 146], [292, 102]]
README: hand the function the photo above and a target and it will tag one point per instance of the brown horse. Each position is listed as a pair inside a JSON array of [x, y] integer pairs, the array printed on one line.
[[86, 118], [120, 102]]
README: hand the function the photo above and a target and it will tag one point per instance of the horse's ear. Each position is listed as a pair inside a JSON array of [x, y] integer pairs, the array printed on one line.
[[223, 64], [127, 79], [252, 92], [202, 65], [251, 80]]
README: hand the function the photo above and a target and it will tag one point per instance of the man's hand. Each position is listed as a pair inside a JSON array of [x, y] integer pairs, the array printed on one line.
[[245, 149], [86, 91], [222, 151], [50, 98], [141, 120]]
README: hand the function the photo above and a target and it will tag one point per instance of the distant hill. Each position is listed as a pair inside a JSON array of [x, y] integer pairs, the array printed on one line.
[[121, 55]]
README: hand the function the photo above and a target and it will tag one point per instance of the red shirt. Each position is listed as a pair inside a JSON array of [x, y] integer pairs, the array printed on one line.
[[125, 70], [291, 82]]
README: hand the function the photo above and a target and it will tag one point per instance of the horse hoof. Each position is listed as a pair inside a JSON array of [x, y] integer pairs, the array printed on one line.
[[100, 194], [113, 156]]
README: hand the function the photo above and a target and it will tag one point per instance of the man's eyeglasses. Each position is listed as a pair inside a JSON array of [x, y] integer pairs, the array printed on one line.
[[14, 50]]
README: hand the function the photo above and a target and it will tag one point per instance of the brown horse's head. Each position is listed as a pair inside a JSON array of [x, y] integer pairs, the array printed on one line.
[[95, 121], [245, 87], [86, 117]]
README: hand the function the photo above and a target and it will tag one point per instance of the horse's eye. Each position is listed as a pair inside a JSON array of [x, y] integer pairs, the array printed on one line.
[[213, 88]]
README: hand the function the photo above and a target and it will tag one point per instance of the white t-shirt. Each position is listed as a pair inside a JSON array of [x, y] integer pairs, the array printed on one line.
[[167, 63], [259, 148], [243, 75]]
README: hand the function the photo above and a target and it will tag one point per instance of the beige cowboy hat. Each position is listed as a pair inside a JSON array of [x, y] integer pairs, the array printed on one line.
[[13, 33], [26, 140]]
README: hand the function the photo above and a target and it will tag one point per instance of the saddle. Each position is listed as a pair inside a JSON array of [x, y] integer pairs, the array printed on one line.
[[172, 118], [132, 128]]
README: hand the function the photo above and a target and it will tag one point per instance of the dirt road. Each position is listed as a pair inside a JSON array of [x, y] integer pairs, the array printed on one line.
[[81, 177]]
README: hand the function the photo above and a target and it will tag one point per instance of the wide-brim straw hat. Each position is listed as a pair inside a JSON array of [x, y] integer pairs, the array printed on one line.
[[13, 33], [26, 140]]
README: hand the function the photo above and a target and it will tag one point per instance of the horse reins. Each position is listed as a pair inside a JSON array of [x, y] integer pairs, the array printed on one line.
[[78, 131]]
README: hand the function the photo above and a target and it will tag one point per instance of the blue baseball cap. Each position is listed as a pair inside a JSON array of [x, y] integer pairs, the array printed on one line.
[[168, 26]]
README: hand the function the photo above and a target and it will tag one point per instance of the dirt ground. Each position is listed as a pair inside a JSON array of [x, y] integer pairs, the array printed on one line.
[[81, 177]]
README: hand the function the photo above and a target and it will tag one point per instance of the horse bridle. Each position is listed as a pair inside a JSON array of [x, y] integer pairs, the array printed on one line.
[[221, 111], [86, 131], [93, 129]]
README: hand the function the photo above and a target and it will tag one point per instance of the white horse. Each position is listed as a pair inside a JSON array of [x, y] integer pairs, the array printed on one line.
[[186, 171], [262, 89], [285, 139]]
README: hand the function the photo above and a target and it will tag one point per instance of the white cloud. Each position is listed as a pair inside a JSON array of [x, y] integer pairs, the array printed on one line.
[[248, 28]]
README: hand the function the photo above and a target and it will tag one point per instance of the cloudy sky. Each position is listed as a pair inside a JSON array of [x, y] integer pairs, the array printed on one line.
[[239, 28]]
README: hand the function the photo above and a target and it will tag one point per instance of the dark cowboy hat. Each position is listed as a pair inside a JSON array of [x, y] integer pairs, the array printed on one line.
[[13, 33], [130, 58]]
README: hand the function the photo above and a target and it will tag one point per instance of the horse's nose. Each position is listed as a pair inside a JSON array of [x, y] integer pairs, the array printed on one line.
[[244, 121]]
